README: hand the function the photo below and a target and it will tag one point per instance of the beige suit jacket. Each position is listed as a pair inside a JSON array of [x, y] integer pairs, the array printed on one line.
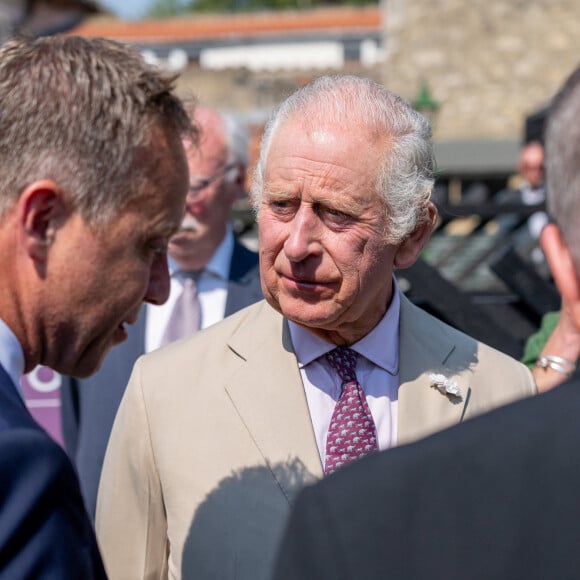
[[213, 439]]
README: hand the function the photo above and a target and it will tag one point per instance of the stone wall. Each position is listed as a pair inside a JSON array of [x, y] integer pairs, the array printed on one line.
[[488, 63], [254, 93]]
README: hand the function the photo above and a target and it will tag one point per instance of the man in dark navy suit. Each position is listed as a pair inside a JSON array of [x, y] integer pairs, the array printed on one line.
[[227, 279], [493, 498], [93, 184]]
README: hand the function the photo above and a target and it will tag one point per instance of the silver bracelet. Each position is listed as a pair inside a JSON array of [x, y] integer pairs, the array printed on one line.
[[556, 363]]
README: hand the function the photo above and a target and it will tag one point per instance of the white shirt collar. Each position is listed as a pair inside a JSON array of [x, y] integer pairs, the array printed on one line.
[[11, 354], [380, 345]]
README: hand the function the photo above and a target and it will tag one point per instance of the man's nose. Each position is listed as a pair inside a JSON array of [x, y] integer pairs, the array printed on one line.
[[159, 281], [303, 235]]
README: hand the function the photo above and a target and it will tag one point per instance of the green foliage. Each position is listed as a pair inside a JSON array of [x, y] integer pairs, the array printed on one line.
[[164, 8]]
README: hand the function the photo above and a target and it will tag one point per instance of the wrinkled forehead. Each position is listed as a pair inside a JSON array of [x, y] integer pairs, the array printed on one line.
[[323, 130]]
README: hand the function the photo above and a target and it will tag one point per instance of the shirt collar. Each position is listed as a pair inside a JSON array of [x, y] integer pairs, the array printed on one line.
[[380, 345], [11, 354], [220, 262]]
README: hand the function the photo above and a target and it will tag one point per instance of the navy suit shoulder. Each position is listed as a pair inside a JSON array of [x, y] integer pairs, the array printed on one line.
[[491, 498], [44, 529], [244, 262]]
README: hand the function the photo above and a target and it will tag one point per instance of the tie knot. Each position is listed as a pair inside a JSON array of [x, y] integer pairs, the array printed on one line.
[[188, 280], [189, 284], [343, 361]]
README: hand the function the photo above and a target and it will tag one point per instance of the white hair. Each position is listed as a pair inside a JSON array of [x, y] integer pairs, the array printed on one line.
[[406, 175], [236, 137]]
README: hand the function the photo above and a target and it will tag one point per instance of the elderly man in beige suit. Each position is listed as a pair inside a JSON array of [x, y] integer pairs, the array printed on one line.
[[217, 433]]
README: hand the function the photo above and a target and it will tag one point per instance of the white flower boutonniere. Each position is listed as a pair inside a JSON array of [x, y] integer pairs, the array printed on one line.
[[446, 386]]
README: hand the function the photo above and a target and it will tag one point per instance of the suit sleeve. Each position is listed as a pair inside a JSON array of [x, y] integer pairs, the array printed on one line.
[[44, 529], [310, 548], [130, 519]]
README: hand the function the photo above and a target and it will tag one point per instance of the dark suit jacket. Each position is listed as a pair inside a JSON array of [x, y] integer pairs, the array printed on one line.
[[89, 406], [494, 498], [44, 529]]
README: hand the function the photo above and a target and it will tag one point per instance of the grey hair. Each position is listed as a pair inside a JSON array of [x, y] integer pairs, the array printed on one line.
[[562, 156], [235, 135], [406, 176], [237, 138], [81, 112]]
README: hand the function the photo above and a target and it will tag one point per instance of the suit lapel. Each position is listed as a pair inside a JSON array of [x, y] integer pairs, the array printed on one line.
[[269, 396], [424, 350]]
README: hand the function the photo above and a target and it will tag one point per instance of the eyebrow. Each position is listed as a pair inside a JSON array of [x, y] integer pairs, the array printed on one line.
[[279, 194], [350, 206]]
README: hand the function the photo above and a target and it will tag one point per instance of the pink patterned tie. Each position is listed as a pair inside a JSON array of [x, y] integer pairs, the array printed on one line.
[[352, 433]]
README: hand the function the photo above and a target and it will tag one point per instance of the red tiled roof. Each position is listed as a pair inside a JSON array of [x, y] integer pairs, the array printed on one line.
[[233, 25]]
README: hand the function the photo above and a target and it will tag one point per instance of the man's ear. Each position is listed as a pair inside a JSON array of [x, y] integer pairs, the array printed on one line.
[[561, 263], [41, 208], [410, 248]]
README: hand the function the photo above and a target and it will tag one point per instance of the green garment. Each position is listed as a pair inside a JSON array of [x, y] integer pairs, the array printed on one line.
[[536, 341]]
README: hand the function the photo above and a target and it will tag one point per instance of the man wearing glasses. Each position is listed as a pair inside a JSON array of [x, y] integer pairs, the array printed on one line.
[[213, 276]]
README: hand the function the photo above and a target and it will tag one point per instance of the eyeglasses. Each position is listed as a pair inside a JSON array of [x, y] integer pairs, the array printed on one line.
[[196, 188]]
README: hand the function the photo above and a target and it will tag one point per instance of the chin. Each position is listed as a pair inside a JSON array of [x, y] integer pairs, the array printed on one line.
[[308, 318], [182, 240], [78, 369], [87, 368], [89, 362]]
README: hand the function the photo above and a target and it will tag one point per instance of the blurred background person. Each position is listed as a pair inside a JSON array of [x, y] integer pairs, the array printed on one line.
[[528, 190]]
